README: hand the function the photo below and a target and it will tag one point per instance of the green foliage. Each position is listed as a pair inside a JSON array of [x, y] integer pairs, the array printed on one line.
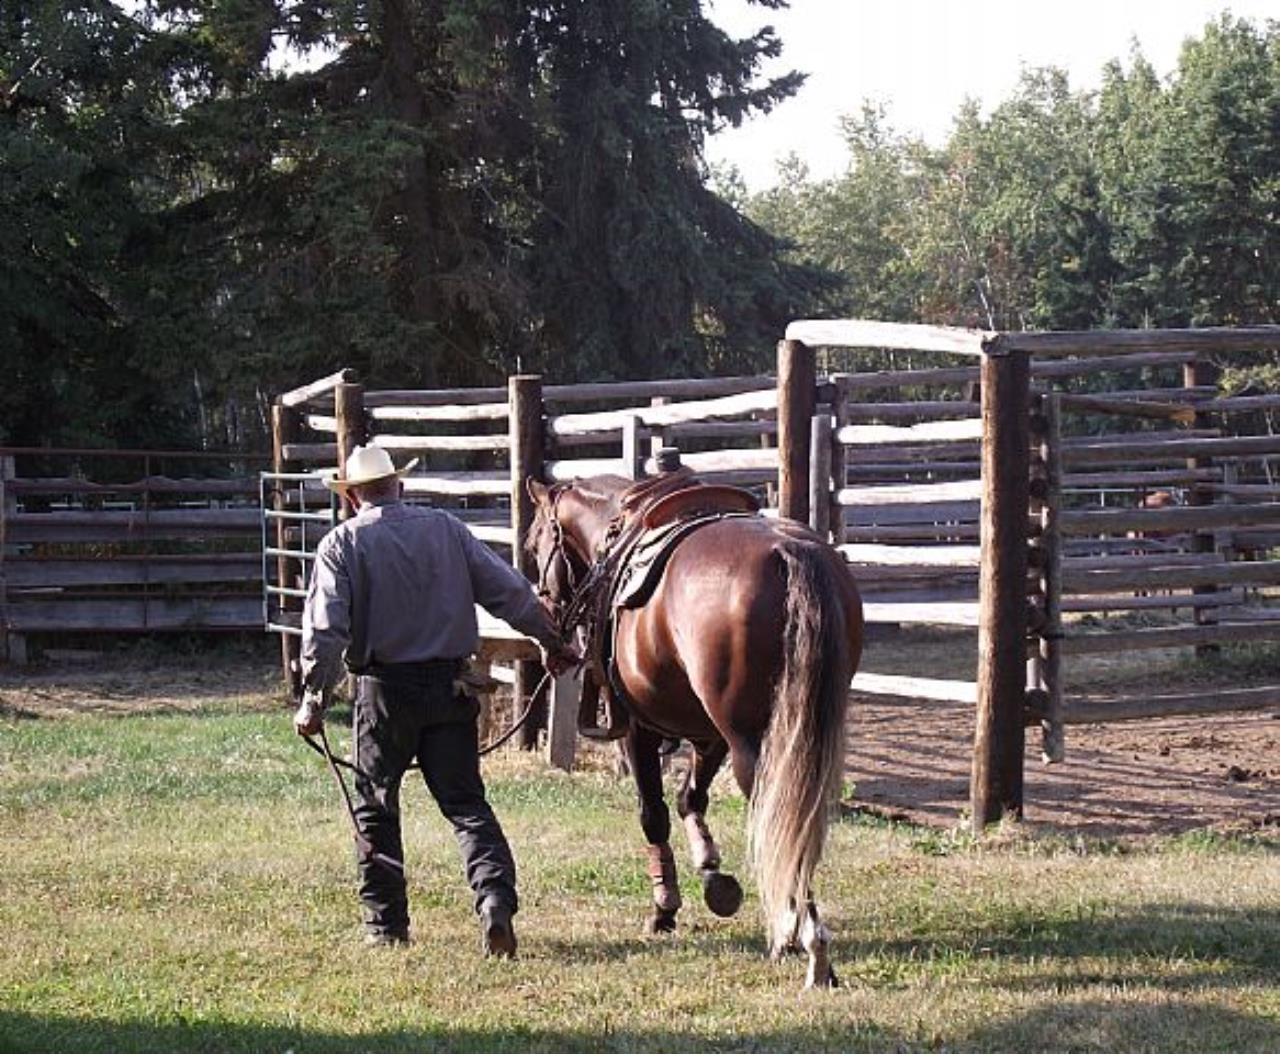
[[1142, 204], [216, 199]]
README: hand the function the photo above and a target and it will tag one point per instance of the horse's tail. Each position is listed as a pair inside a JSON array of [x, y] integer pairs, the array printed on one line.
[[802, 755]]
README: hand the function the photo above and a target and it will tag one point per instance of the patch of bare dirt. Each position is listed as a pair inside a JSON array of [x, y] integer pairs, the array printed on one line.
[[911, 758], [136, 681]]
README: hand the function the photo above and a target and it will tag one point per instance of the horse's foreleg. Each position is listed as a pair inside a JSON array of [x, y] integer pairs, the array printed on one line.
[[721, 892], [655, 821]]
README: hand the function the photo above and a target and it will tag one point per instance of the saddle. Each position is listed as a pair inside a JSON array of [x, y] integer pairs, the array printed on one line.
[[657, 515]]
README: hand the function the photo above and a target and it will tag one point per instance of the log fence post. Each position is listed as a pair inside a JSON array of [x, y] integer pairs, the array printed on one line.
[[1196, 373], [797, 400], [841, 397], [1044, 665], [633, 455], [820, 475], [13, 646], [352, 427], [528, 453], [995, 788]]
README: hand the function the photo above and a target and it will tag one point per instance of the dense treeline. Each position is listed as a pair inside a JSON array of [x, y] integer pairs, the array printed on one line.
[[205, 201], [202, 201], [1145, 203]]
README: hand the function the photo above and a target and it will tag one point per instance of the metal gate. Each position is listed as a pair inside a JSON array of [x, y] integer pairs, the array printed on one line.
[[297, 510]]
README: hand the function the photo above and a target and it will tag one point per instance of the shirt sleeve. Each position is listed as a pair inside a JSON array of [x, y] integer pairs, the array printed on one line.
[[503, 591], [326, 619]]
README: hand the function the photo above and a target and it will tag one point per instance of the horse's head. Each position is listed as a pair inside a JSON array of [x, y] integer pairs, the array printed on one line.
[[560, 566]]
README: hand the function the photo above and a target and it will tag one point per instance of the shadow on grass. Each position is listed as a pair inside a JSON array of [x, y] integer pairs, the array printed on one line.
[[1065, 1026], [1173, 947]]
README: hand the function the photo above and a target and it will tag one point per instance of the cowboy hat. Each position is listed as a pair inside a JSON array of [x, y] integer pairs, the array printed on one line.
[[366, 464]]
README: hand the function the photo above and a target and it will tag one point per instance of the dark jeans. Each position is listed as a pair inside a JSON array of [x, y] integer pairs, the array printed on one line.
[[409, 712]]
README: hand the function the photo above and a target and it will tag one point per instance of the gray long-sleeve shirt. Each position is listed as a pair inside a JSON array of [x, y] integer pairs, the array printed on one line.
[[399, 583]]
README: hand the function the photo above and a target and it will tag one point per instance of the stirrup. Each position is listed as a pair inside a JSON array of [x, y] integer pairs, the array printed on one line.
[[604, 733]]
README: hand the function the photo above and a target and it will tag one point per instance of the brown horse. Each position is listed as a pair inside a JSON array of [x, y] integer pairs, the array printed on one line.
[[745, 649]]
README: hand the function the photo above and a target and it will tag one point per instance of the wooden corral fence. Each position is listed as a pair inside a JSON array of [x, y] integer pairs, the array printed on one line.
[[115, 541], [476, 447], [980, 492], [988, 514]]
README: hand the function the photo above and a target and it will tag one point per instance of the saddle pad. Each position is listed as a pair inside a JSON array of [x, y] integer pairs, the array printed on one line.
[[649, 559]]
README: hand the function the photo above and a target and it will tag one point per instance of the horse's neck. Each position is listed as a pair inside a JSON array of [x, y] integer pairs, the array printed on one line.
[[589, 519]]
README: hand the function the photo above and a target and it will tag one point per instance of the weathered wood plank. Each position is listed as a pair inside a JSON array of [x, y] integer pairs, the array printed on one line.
[[243, 487], [1112, 342], [915, 687], [326, 453], [943, 376], [929, 432], [697, 387], [941, 556], [37, 527], [1170, 637], [1222, 701], [1248, 573], [662, 416], [460, 484], [861, 333], [315, 389], [116, 614], [1183, 518], [924, 612], [449, 412], [1142, 448], [427, 443], [27, 573], [937, 512], [434, 397], [1165, 602], [1129, 407], [562, 721], [910, 493]]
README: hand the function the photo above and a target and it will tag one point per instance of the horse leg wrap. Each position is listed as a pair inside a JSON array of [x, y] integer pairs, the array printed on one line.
[[816, 940], [702, 847], [662, 873]]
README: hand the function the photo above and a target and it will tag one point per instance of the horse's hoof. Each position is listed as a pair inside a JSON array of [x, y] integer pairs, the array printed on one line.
[[660, 922], [825, 984], [722, 893]]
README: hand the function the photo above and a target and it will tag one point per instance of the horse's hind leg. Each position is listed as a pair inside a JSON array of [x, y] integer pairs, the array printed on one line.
[[721, 892], [655, 821], [815, 938]]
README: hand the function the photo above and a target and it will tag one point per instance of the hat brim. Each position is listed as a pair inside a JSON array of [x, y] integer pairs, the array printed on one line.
[[341, 486]]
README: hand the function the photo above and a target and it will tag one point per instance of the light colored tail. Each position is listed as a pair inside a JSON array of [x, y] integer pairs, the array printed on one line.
[[802, 757]]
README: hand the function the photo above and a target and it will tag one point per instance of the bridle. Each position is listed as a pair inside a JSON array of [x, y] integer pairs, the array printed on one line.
[[576, 607]]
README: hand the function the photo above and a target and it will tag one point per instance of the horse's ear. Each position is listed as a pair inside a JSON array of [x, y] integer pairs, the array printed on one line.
[[539, 492]]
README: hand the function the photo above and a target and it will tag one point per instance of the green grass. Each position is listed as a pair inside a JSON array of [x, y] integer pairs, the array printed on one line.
[[183, 882]]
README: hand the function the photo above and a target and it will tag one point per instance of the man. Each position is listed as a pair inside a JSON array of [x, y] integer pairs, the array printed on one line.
[[392, 593]]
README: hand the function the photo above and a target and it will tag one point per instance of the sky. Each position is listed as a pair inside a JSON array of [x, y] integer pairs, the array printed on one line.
[[923, 58]]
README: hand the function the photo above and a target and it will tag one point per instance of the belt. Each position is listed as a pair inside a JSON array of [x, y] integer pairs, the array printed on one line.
[[430, 667]]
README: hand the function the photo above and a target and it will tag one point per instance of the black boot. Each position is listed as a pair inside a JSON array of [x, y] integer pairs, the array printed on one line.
[[499, 936]]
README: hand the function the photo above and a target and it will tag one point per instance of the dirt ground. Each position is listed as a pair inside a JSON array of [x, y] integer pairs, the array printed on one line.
[[911, 758], [908, 759]]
